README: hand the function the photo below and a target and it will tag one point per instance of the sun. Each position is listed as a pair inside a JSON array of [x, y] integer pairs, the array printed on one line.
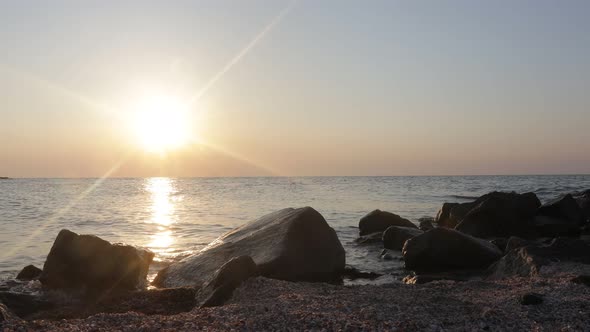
[[162, 124]]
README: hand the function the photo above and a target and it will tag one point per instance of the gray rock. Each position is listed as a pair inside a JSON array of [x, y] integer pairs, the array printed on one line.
[[29, 272], [91, 264], [290, 244], [379, 221], [394, 237], [443, 249], [230, 276], [500, 214]]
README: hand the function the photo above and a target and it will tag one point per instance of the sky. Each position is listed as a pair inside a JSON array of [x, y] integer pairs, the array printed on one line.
[[295, 88]]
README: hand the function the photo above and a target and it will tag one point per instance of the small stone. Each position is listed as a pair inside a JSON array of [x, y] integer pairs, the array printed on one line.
[[29, 272], [531, 299]]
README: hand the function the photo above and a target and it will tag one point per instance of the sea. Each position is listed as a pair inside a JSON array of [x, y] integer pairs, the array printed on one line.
[[176, 217]]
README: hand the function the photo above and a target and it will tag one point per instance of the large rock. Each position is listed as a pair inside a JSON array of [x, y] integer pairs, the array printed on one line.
[[379, 221], [90, 264], [583, 200], [290, 244], [560, 217], [527, 261], [425, 223], [500, 214], [370, 238], [443, 217], [29, 272], [394, 237], [229, 277], [443, 249]]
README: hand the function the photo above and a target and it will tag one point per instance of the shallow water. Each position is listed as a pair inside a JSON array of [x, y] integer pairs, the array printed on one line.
[[177, 216]]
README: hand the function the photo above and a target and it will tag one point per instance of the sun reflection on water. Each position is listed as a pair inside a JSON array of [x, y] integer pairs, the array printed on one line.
[[162, 214]]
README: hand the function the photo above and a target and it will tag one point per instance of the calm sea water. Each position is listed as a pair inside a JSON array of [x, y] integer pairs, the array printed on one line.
[[177, 216]]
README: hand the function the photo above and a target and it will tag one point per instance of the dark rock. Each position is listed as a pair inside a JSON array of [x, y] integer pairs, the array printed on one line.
[[379, 221], [500, 214], [290, 244], [230, 276], [24, 305], [370, 238], [500, 242], [354, 273], [443, 249], [582, 280], [515, 242], [565, 208], [394, 237], [6, 315], [560, 217], [443, 217], [465, 275], [583, 200], [29, 272], [426, 223], [528, 260], [530, 299], [90, 264]]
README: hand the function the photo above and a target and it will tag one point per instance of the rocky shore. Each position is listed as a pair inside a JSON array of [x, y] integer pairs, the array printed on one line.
[[504, 262]]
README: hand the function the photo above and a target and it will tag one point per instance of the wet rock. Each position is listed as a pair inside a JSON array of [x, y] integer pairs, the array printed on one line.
[[443, 249], [386, 255], [290, 244], [370, 238], [354, 273], [29, 272], [90, 264], [379, 221], [230, 276], [425, 223], [531, 299], [394, 237], [500, 214], [528, 260]]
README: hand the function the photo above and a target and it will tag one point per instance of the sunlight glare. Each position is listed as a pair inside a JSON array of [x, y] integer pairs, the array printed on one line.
[[162, 123]]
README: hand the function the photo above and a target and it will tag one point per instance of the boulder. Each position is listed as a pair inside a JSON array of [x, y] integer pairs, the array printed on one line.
[[527, 261], [290, 244], [583, 200], [229, 277], [443, 217], [29, 272], [370, 238], [379, 221], [394, 237], [90, 264], [515, 242], [6, 315], [560, 217], [553, 227], [443, 249], [500, 214], [426, 223]]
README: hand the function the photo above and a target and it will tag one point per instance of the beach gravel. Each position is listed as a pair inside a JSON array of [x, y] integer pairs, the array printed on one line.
[[262, 304]]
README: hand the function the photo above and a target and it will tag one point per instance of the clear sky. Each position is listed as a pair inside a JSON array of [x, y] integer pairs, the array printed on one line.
[[296, 88]]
